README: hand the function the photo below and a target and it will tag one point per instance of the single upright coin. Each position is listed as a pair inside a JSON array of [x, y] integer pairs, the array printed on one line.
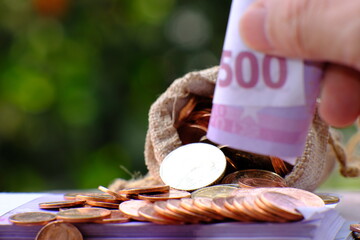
[[32, 218], [140, 190], [193, 166], [172, 194], [61, 204], [59, 231], [80, 215], [131, 208], [216, 191], [254, 178]]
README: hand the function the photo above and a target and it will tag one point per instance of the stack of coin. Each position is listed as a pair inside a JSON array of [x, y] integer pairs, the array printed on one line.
[[192, 122]]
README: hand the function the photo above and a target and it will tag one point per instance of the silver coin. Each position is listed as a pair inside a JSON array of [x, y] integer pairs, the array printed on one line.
[[193, 166]]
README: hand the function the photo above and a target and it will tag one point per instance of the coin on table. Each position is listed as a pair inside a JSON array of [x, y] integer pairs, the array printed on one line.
[[79, 215], [59, 231], [72, 195], [148, 213], [131, 208], [219, 206], [140, 190], [355, 227], [32, 218], [222, 190], [205, 204], [188, 203], [328, 198], [175, 206], [161, 208], [102, 204], [229, 204], [121, 197], [280, 204], [308, 198], [101, 197], [61, 204], [116, 216], [193, 166], [253, 178], [172, 194]]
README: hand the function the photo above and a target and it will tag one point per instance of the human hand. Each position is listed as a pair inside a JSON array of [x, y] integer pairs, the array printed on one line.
[[318, 30]]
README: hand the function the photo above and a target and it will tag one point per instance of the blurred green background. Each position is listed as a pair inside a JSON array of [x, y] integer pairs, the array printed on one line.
[[77, 79]]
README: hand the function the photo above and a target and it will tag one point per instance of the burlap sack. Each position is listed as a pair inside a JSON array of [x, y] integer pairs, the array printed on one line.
[[311, 169]]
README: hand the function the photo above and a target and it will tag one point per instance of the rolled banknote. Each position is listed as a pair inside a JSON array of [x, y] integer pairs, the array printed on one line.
[[262, 104]]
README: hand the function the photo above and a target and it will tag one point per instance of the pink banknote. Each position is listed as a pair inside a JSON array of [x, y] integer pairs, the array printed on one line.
[[262, 104]]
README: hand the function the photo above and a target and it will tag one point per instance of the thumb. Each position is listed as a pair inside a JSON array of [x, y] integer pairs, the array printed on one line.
[[325, 30]]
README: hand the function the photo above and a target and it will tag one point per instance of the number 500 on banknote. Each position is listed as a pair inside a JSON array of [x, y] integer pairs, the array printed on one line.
[[262, 104]]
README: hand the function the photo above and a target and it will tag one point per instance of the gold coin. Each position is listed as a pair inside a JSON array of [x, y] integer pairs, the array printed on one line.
[[32, 218], [116, 216], [189, 204], [161, 208], [79, 215], [102, 204], [131, 208], [112, 193], [148, 213], [60, 231], [328, 198], [175, 206], [215, 191], [355, 227], [253, 178], [140, 190], [281, 204], [193, 166], [61, 204], [101, 197], [172, 194]]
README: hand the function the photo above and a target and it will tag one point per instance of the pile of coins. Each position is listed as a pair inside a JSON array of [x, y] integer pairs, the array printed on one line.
[[192, 125]]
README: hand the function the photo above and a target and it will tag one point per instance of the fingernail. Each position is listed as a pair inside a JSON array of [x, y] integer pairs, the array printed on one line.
[[252, 28]]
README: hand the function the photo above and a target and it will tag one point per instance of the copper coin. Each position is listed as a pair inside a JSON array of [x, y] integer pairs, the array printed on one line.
[[185, 112], [175, 206], [193, 166], [32, 218], [148, 213], [161, 208], [102, 204], [112, 193], [243, 177], [189, 204], [72, 196], [257, 212], [328, 198], [308, 198], [219, 206], [259, 182], [229, 204], [60, 231], [206, 205], [172, 194], [61, 204], [191, 133], [79, 215], [116, 216], [101, 197], [140, 190], [131, 208], [282, 204], [214, 191], [355, 227], [279, 165]]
